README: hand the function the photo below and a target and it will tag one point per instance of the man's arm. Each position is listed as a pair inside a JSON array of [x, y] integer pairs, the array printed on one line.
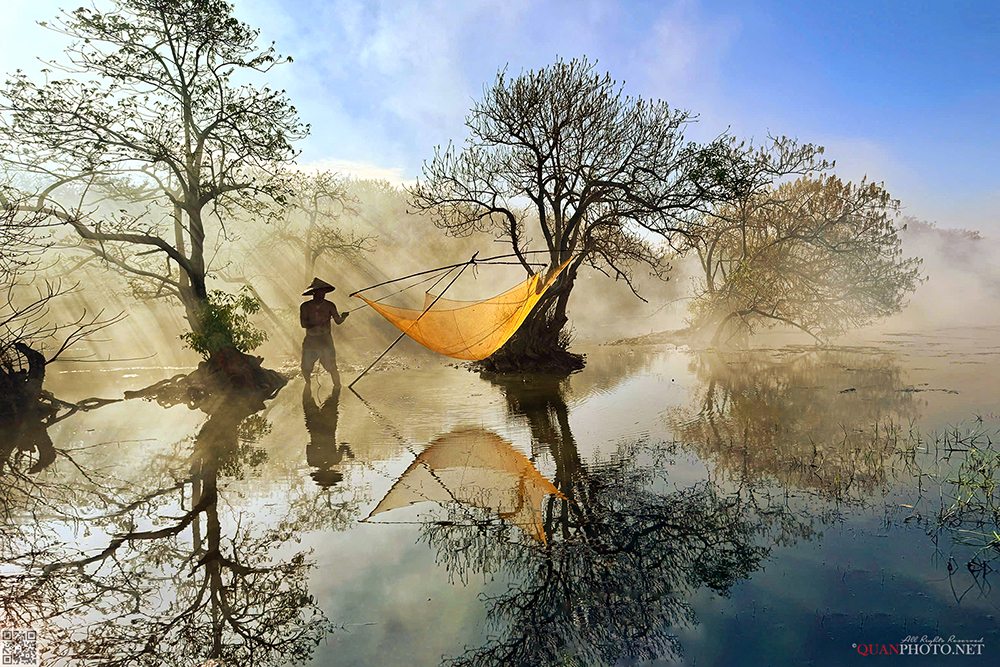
[[337, 316], [302, 315]]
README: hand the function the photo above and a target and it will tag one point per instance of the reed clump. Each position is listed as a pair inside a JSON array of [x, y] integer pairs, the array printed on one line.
[[971, 493]]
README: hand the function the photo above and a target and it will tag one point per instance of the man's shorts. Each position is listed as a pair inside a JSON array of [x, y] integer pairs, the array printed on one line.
[[318, 348]]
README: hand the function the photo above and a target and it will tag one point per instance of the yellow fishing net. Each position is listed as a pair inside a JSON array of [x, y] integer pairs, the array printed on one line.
[[469, 330], [475, 467]]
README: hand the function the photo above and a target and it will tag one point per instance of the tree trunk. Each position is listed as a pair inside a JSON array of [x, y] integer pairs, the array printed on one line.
[[194, 303], [540, 344], [734, 327], [194, 295], [22, 411], [20, 390], [717, 337]]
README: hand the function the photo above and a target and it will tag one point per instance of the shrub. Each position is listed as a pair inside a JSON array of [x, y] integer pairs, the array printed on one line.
[[225, 323]]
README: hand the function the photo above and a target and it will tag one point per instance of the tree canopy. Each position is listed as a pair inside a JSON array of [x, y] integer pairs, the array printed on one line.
[[150, 114], [817, 254], [311, 222]]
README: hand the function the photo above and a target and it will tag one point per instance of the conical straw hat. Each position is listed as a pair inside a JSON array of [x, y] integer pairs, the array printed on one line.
[[319, 286]]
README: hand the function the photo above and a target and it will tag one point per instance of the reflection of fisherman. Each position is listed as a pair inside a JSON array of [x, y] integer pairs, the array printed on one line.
[[315, 316], [323, 452]]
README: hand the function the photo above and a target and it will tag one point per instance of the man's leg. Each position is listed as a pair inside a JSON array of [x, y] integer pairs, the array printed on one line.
[[309, 357], [329, 361]]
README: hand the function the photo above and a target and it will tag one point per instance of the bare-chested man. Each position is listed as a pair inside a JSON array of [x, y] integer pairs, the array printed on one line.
[[315, 316]]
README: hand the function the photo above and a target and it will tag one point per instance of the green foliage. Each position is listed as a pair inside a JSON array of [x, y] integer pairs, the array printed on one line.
[[974, 488], [225, 322]]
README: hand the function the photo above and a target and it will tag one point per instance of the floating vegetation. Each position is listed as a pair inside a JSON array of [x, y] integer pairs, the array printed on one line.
[[971, 494]]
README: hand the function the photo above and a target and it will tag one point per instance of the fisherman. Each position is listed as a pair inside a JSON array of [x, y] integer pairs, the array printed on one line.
[[315, 316]]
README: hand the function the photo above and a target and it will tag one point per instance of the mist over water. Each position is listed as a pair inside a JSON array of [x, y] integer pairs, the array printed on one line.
[[962, 287], [600, 308], [795, 459], [963, 283]]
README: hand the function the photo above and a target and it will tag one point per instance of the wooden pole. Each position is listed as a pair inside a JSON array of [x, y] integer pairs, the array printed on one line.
[[400, 337]]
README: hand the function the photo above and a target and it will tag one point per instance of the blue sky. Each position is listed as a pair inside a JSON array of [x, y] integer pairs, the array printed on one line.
[[905, 92]]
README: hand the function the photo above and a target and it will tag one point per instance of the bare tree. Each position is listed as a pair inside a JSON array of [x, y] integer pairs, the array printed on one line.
[[563, 154], [149, 113], [312, 222]]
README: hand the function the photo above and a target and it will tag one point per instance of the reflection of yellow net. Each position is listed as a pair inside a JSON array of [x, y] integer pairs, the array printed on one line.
[[469, 330], [475, 467]]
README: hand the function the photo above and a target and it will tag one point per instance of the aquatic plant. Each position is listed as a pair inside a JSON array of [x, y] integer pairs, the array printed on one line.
[[972, 506]]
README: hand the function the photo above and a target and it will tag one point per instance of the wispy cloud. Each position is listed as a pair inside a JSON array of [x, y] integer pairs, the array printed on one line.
[[382, 82], [682, 56]]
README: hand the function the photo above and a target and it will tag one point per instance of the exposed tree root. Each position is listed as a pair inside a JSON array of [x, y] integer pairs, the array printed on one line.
[[215, 381]]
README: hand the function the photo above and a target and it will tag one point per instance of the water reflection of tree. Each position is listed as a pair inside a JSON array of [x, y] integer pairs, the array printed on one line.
[[170, 582], [608, 369], [827, 420], [25, 444], [621, 557], [26, 450]]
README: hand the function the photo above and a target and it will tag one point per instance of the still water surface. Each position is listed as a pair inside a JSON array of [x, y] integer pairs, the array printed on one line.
[[664, 506]]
